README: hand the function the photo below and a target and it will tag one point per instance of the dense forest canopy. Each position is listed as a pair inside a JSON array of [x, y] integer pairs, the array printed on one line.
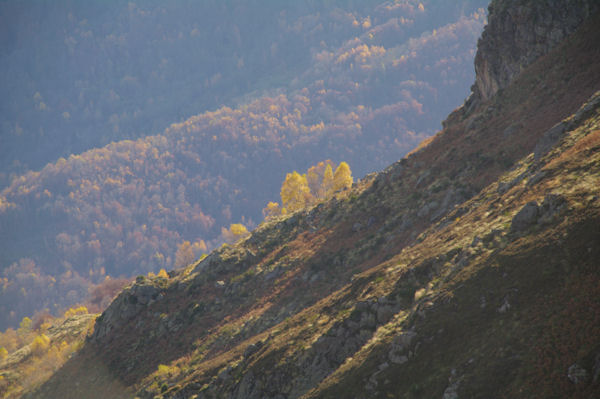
[[162, 123], [78, 75]]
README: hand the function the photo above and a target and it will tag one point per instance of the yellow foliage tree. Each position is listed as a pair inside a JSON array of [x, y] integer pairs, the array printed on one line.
[[162, 273], [235, 232], [3, 353], [295, 192], [24, 327], [319, 183], [9, 340], [74, 311], [40, 344], [238, 230], [342, 178], [272, 210], [327, 184], [315, 177], [184, 255]]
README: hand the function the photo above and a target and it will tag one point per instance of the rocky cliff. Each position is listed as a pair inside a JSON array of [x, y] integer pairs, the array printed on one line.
[[520, 31]]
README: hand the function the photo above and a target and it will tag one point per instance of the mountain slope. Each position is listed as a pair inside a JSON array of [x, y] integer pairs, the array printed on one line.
[[467, 269]]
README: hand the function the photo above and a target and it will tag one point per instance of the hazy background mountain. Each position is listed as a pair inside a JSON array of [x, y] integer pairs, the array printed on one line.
[[186, 116], [81, 75]]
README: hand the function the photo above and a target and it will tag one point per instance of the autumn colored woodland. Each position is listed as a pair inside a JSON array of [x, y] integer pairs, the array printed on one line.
[[142, 135]]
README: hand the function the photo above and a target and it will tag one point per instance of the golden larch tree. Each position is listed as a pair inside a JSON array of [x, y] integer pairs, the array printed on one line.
[[327, 184], [272, 210], [235, 232], [295, 192], [342, 178], [319, 183], [162, 273], [315, 176]]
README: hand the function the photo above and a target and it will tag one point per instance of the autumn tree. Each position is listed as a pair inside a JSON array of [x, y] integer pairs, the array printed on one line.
[[272, 210], [162, 274], [9, 340], [24, 327], [40, 344], [319, 183], [327, 183], [235, 232], [294, 192], [75, 311], [316, 176], [184, 255], [102, 294], [199, 247], [342, 179]]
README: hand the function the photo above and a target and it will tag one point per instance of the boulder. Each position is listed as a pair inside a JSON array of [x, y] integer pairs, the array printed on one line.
[[525, 218], [126, 306], [577, 374]]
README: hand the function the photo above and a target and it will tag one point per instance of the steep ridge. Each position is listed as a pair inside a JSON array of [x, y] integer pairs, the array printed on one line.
[[467, 269]]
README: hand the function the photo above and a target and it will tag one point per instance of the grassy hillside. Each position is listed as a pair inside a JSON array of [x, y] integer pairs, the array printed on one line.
[[374, 76], [467, 269]]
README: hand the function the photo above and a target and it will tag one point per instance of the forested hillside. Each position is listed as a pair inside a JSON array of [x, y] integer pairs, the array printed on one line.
[[78, 75], [246, 93]]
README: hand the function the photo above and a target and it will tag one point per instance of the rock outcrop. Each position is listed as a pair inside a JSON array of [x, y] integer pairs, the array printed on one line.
[[125, 306], [517, 33]]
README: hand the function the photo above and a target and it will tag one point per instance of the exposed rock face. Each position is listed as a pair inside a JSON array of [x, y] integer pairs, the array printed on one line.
[[126, 306], [526, 217], [510, 41], [577, 374], [533, 213]]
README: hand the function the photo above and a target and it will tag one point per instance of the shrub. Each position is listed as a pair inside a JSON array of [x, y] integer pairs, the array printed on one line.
[[162, 273], [24, 326], [235, 232], [40, 344], [75, 311], [164, 370]]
